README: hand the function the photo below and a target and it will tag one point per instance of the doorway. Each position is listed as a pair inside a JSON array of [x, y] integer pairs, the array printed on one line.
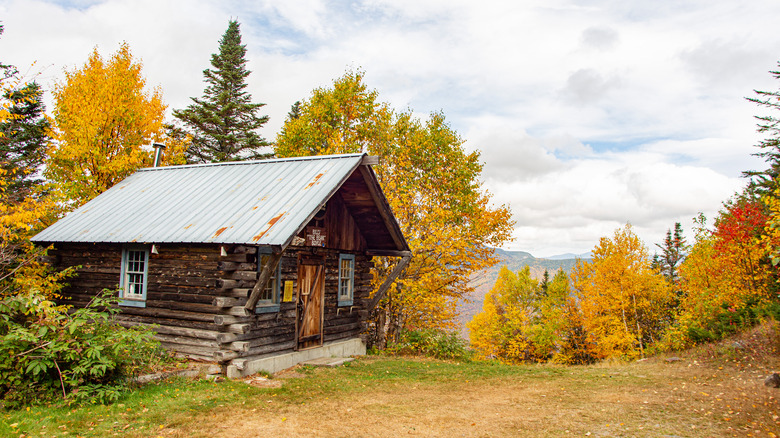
[[311, 301]]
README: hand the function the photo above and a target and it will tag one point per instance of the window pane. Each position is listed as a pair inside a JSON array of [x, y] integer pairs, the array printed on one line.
[[346, 277], [134, 274]]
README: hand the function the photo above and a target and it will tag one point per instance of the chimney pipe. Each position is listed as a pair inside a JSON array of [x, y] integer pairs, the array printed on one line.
[[158, 153]]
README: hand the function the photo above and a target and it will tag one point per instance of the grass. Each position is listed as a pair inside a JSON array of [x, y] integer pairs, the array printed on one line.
[[715, 390]]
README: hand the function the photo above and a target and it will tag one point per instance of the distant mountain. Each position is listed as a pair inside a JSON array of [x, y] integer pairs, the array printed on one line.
[[567, 256], [515, 261]]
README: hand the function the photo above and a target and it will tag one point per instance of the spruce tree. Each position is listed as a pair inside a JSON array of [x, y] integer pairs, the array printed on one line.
[[766, 181], [24, 137], [224, 122], [6, 71], [295, 111], [24, 133], [674, 250]]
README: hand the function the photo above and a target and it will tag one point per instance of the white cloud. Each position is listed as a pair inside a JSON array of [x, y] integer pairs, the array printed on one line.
[[600, 38], [587, 116]]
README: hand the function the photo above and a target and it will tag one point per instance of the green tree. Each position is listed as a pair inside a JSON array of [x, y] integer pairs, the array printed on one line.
[[7, 71], [432, 184], [24, 138], [545, 282], [766, 181], [295, 110], [673, 250], [223, 123]]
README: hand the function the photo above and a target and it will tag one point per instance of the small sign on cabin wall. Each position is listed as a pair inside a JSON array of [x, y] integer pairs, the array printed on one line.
[[316, 236], [288, 291]]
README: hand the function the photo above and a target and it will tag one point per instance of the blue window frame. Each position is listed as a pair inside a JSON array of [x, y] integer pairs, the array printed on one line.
[[346, 279], [270, 296], [133, 279]]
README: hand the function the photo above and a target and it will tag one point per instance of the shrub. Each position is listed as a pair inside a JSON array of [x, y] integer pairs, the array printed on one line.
[[82, 356], [722, 321], [430, 342]]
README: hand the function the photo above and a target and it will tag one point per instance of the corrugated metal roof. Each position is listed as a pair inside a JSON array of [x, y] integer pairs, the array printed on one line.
[[252, 202]]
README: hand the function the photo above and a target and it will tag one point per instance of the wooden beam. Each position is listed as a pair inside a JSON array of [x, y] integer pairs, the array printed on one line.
[[225, 355], [230, 319], [224, 302], [390, 279], [268, 269], [370, 160], [240, 329]]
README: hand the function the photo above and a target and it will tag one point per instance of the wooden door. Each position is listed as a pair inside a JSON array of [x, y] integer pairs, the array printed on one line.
[[311, 301]]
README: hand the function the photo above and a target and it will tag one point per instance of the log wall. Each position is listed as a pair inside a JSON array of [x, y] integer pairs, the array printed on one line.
[[181, 290], [270, 333], [195, 296]]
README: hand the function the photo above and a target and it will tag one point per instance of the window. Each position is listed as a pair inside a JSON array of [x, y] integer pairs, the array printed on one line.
[[269, 297], [346, 279], [132, 284]]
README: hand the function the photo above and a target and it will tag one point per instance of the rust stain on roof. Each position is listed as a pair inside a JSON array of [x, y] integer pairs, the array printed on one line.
[[188, 226], [314, 181], [219, 231], [268, 226], [254, 208]]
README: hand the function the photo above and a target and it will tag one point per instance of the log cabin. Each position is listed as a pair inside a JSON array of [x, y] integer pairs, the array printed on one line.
[[254, 265]]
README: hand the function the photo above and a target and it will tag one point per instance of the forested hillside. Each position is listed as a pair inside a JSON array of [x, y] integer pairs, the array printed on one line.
[[514, 261]]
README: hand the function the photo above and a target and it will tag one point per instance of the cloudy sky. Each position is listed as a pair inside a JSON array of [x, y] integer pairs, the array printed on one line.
[[588, 114]]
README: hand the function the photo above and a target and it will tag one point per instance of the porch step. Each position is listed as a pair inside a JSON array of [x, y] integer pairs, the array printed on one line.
[[328, 361]]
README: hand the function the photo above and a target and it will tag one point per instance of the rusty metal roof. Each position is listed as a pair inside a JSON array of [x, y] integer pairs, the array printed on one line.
[[252, 202]]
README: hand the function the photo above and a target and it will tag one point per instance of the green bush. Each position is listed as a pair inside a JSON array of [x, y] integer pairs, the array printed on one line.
[[429, 342], [727, 321], [50, 352]]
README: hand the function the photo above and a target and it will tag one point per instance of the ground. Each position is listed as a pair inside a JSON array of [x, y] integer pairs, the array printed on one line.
[[651, 398], [712, 391]]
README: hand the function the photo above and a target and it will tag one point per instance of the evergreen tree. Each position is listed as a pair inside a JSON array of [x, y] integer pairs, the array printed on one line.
[[24, 133], [766, 181], [223, 123], [673, 253], [24, 137], [295, 111], [6, 71], [545, 282]]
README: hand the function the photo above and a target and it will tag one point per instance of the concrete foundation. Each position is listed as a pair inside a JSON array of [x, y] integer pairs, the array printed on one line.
[[271, 364]]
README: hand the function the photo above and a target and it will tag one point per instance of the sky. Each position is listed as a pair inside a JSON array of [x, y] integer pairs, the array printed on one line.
[[588, 115]]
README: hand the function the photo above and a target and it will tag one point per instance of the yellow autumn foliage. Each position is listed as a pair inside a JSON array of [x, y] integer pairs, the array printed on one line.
[[104, 123], [522, 320], [433, 187], [624, 304]]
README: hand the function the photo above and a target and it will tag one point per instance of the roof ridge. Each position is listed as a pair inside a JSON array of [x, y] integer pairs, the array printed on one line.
[[250, 162]]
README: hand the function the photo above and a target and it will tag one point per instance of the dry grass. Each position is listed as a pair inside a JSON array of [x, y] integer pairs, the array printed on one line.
[[711, 391], [650, 399]]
